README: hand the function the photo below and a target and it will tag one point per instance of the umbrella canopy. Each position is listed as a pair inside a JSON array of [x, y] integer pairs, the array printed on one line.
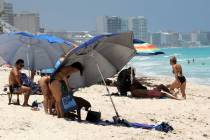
[[109, 53], [145, 49], [53, 40], [37, 52]]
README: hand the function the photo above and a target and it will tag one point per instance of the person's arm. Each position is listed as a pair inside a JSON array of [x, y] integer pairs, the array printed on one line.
[[67, 83], [171, 96], [17, 76]]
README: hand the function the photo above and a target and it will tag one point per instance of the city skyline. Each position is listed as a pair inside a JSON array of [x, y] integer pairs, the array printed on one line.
[[114, 24], [180, 16], [30, 21]]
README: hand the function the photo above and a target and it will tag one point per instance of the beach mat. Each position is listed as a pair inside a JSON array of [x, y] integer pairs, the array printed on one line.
[[163, 127]]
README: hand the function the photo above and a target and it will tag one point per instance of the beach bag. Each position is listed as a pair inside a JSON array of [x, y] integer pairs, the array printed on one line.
[[93, 116], [67, 101]]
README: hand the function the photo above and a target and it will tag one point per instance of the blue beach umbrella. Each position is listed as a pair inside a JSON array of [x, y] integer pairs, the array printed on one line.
[[37, 52], [102, 57], [105, 53]]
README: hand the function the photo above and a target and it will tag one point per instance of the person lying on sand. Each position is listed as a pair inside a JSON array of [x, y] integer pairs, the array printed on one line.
[[126, 79], [180, 80], [57, 81], [15, 84], [158, 92]]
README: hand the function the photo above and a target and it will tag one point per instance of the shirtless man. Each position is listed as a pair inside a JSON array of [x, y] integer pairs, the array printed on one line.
[[180, 80], [15, 82]]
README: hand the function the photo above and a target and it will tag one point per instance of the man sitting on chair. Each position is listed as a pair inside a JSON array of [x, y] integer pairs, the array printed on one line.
[[15, 84]]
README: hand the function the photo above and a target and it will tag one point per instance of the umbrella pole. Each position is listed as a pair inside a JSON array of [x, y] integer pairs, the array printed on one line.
[[27, 56], [117, 114]]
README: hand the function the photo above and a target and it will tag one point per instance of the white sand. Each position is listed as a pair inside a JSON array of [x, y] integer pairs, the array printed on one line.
[[190, 118]]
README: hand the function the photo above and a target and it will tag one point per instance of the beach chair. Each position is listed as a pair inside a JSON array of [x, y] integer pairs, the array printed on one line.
[[10, 92]]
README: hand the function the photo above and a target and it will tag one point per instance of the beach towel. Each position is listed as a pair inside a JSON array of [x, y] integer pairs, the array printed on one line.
[[26, 81], [67, 101], [163, 127]]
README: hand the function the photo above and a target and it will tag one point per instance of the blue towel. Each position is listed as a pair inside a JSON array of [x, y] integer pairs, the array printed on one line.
[[27, 82], [163, 127]]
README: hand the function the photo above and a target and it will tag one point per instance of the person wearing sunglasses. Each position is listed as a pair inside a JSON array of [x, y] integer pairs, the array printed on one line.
[[15, 84]]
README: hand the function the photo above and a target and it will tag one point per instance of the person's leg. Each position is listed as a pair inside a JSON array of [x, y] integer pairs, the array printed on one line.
[[182, 88], [169, 96], [26, 98], [45, 92], [26, 91], [46, 104], [163, 88], [167, 93], [60, 108], [174, 85], [18, 100], [55, 89], [51, 103], [43, 83], [57, 109]]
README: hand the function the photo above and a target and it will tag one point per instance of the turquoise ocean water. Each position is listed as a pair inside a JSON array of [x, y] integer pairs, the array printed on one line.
[[195, 72]]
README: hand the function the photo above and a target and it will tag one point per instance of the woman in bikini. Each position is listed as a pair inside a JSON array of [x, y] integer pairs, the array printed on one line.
[[57, 81], [180, 80]]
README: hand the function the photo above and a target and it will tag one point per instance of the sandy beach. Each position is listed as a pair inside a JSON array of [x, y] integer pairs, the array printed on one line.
[[190, 118]]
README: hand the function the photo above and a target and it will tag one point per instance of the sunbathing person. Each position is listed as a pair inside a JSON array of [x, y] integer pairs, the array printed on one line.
[[15, 84], [124, 81], [59, 81], [157, 92], [180, 80]]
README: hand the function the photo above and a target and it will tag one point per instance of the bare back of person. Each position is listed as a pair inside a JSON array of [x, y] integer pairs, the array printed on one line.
[[177, 69]]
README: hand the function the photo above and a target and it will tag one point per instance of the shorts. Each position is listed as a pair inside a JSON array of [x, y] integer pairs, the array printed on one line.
[[14, 88]]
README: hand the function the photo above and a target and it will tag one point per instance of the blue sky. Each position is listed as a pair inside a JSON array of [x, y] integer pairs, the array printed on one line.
[[178, 15]]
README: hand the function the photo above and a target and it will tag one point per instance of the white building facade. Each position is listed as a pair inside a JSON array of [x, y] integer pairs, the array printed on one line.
[[27, 21], [139, 27], [7, 12]]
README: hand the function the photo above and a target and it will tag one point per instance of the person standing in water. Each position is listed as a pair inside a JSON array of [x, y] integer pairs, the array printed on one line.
[[180, 80]]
